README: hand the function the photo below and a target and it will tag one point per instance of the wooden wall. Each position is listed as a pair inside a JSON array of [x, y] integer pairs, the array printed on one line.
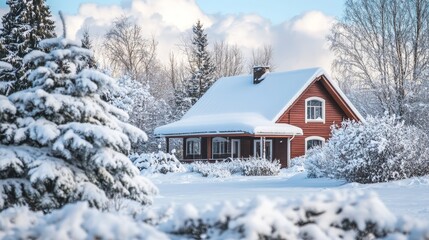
[[296, 116], [246, 149]]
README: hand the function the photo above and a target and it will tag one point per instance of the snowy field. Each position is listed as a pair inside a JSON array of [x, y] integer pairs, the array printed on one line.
[[408, 197]]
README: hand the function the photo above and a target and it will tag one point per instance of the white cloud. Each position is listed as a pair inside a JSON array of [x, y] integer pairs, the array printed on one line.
[[301, 42], [314, 23], [247, 31], [298, 43], [181, 14]]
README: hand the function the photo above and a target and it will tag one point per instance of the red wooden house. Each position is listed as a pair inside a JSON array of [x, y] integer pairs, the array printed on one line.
[[273, 115]]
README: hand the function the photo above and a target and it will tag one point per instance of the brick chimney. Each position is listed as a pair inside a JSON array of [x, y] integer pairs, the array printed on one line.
[[259, 73]]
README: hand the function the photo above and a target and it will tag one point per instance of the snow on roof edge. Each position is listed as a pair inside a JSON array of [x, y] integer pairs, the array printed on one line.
[[182, 128]]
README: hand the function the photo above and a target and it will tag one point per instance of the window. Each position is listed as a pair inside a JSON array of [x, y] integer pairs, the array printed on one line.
[[315, 109], [268, 149], [193, 146], [313, 141], [221, 145]]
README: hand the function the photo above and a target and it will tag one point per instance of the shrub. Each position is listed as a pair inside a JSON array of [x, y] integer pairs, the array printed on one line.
[[329, 215], [244, 167], [160, 162], [297, 164], [73, 221], [379, 150]]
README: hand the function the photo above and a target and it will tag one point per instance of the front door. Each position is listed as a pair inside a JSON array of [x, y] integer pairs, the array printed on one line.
[[258, 152], [235, 148]]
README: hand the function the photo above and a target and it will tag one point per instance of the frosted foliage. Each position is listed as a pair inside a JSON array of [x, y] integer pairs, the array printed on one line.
[[24, 25], [60, 142], [379, 150], [74, 221], [327, 215], [244, 167], [331, 215], [6, 78], [159, 162], [145, 111]]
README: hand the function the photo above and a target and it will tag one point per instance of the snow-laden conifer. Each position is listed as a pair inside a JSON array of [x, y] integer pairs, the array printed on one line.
[[24, 26], [145, 111], [60, 142], [201, 65]]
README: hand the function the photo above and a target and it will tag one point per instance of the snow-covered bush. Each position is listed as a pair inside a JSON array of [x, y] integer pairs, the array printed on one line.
[[378, 150], [258, 167], [244, 167], [60, 142], [216, 170], [73, 221], [329, 215], [160, 162], [297, 164]]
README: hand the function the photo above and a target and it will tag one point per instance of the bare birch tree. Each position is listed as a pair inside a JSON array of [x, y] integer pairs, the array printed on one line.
[[175, 72], [129, 51], [262, 57], [228, 59], [382, 50]]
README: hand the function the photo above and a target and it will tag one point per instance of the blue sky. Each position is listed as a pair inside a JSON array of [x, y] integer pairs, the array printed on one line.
[[275, 10]]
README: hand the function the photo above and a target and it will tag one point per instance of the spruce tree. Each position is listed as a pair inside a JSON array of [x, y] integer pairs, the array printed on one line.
[[60, 142], [202, 67], [87, 43], [26, 23], [6, 74]]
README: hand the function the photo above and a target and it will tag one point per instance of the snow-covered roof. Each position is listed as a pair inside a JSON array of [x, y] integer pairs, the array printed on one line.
[[236, 104], [231, 123]]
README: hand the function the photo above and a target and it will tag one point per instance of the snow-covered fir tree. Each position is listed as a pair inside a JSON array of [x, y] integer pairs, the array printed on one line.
[[87, 43], [182, 103], [60, 142], [26, 23], [201, 65], [6, 76]]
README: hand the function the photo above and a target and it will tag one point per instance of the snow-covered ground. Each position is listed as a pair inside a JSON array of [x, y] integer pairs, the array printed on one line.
[[407, 197]]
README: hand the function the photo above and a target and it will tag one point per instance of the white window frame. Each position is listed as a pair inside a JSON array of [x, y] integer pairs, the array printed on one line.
[[313, 138], [323, 109], [223, 140], [256, 152], [194, 140]]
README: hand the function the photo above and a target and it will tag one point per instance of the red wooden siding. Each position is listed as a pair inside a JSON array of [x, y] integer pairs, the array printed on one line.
[[336, 110], [296, 116]]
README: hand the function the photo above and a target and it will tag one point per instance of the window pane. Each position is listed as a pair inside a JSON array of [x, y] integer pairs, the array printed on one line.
[[318, 112], [215, 147], [196, 147], [315, 103], [313, 143], [314, 109], [188, 147], [258, 147], [193, 146]]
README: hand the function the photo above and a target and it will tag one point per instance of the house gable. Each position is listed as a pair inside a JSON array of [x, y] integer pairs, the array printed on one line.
[[336, 110]]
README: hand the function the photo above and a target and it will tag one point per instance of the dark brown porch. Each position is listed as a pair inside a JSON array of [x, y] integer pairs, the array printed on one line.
[[215, 148]]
